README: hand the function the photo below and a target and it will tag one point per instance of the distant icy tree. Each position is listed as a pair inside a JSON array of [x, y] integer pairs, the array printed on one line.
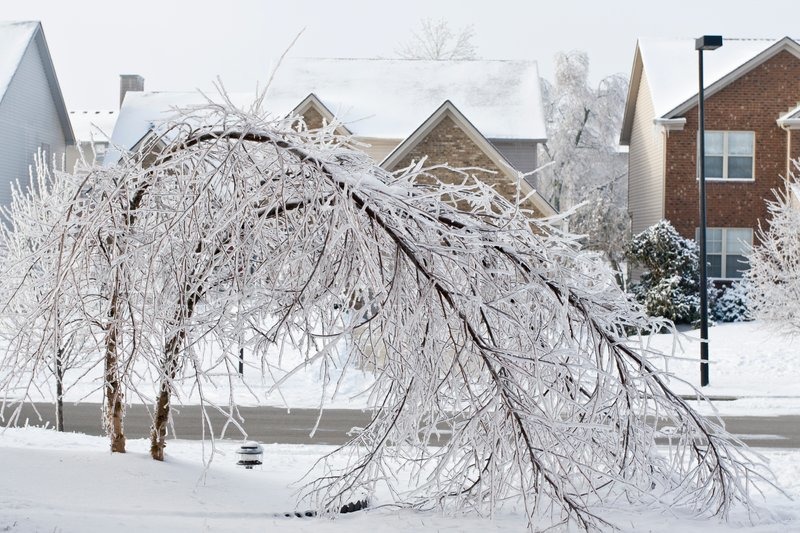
[[435, 39], [669, 286], [478, 321], [774, 274], [40, 322], [585, 163]]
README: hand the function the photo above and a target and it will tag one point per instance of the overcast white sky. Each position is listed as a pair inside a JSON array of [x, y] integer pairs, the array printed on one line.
[[183, 45]]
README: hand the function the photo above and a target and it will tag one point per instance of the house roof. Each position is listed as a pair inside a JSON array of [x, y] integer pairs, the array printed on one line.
[[449, 110], [93, 126], [389, 98], [373, 98], [15, 37], [671, 70], [14, 40]]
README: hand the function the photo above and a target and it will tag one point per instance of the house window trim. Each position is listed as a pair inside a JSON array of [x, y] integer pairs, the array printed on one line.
[[725, 157], [723, 254]]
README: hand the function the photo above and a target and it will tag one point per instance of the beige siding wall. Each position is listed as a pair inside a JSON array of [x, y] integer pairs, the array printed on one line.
[[646, 167], [378, 149]]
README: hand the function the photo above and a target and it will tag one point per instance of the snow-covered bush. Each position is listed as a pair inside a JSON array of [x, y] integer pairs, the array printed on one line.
[[669, 286], [774, 274], [731, 303]]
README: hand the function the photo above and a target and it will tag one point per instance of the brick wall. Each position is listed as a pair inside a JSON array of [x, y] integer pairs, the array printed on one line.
[[751, 103], [448, 144], [313, 118]]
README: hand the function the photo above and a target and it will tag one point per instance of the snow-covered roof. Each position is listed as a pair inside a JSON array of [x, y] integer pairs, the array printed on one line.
[[390, 98], [671, 70], [14, 39], [671, 67], [142, 110], [375, 98], [93, 126]]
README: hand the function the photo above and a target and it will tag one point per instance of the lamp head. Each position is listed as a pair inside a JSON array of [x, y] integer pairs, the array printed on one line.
[[708, 42]]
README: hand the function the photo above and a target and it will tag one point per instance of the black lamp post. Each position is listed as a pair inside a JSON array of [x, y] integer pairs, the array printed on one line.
[[706, 42]]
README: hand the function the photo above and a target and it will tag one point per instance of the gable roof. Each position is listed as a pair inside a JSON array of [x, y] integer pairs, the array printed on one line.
[[15, 38], [372, 98], [389, 98], [449, 110], [671, 70], [312, 102]]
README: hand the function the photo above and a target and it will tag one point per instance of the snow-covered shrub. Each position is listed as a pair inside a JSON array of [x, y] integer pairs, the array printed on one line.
[[669, 285], [731, 304]]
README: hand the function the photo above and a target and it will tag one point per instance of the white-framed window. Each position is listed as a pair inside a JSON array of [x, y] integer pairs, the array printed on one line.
[[730, 155], [726, 251]]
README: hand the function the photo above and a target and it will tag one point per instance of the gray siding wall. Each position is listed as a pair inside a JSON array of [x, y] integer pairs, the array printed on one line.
[[520, 153], [645, 165], [28, 121]]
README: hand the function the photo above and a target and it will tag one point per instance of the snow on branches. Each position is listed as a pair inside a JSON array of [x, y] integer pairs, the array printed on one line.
[[774, 275], [478, 322]]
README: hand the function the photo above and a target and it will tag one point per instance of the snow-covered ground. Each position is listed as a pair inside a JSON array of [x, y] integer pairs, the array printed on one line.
[[749, 361], [71, 483]]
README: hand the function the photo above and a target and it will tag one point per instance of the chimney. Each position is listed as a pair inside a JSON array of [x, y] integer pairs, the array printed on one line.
[[129, 82]]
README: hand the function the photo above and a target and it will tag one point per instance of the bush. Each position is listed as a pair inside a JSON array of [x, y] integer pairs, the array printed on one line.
[[731, 304], [669, 286]]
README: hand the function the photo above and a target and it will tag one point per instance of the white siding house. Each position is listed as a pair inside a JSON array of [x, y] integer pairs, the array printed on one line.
[[32, 112]]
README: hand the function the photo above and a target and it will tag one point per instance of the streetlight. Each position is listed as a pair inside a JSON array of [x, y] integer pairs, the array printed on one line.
[[706, 42]]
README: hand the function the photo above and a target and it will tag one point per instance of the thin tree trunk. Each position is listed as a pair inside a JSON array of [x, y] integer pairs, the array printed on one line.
[[114, 411], [170, 365], [59, 390], [158, 432]]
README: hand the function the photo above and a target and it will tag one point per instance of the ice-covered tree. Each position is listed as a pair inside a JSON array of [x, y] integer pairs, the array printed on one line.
[[774, 274], [669, 285], [582, 156], [477, 320], [435, 39], [41, 325]]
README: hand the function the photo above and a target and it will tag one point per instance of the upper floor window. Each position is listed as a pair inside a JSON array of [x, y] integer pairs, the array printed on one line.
[[730, 155], [726, 251]]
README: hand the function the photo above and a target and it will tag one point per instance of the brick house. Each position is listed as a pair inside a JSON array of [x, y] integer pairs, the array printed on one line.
[[485, 114], [751, 121]]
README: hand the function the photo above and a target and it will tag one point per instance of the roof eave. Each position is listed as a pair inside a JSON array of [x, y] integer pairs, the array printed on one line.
[[789, 123], [633, 95], [55, 88]]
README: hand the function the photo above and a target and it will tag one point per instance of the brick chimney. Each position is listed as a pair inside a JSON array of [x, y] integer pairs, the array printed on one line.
[[129, 82]]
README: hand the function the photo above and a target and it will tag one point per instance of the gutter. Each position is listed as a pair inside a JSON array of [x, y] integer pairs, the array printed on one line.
[[670, 124]]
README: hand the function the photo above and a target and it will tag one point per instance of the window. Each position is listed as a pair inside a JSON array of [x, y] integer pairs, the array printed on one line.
[[729, 155], [726, 251]]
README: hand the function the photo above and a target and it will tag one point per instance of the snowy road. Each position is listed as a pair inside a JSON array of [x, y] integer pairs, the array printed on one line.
[[276, 425]]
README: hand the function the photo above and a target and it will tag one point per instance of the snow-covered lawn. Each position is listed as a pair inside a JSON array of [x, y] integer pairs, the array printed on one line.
[[71, 483], [748, 361]]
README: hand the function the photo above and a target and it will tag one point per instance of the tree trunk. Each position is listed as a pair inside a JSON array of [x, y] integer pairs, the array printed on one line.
[[114, 411], [169, 367], [158, 432], [59, 390]]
